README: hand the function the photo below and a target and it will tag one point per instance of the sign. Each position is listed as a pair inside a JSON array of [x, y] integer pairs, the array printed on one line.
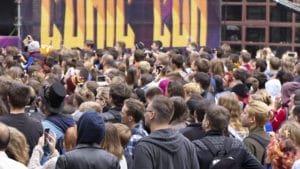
[[174, 22]]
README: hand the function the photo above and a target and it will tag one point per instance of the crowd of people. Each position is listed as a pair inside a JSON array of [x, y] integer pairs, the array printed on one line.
[[153, 108]]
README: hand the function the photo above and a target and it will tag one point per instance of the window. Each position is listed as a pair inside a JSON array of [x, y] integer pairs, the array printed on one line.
[[256, 12], [279, 15], [232, 13], [255, 34], [281, 34], [231, 33]]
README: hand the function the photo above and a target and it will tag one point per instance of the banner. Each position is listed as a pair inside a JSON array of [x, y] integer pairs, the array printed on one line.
[[71, 22]]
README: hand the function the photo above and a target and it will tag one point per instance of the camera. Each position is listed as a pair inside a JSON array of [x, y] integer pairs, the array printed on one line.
[[100, 78], [292, 54]]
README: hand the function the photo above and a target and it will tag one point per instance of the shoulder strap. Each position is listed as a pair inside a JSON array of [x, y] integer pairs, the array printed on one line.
[[259, 139]]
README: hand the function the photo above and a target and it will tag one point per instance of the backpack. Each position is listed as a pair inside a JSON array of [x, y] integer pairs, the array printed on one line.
[[264, 143], [221, 158]]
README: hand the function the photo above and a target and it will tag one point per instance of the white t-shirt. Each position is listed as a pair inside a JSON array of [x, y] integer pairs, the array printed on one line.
[[7, 163], [123, 163], [296, 165]]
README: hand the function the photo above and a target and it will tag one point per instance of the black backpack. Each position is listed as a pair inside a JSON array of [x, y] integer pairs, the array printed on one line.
[[222, 159], [264, 143]]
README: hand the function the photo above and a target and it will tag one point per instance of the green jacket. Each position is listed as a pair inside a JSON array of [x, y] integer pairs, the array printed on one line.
[[254, 147]]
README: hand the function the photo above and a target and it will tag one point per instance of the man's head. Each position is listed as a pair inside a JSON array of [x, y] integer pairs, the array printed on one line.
[[91, 128], [156, 45], [120, 46], [216, 118], [255, 114], [18, 95], [132, 112], [203, 79], [139, 55], [244, 58], [4, 137], [159, 111], [118, 93], [151, 93]]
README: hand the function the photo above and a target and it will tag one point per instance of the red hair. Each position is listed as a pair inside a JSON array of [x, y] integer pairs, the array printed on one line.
[[281, 152]]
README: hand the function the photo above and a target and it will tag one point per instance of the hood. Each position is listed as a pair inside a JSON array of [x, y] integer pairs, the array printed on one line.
[[167, 139], [91, 128]]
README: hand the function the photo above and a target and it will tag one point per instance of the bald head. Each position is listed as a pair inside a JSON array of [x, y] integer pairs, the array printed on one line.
[[4, 136]]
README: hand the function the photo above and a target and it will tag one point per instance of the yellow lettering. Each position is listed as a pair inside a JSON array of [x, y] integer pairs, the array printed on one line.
[[120, 26], [164, 36], [99, 5], [181, 28], [202, 5], [110, 23], [72, 38], [45, 26], [89, 20]]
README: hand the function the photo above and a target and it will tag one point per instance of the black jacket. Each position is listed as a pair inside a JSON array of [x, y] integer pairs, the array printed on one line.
[[238, 150], [193, 131], [87, 156], [112, 115], [165, 149]]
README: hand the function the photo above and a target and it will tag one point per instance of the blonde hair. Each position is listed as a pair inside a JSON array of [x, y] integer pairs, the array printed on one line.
[[291, 130], [102, 93], [263, 96], [90, 105], [17, 148], [111, 141], [259, 110], [144, 66], [124, 133], [14, 72], [192, 88], [231, 102]]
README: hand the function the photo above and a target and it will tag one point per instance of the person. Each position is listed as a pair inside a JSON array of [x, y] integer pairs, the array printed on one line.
[[18, 98], [17, 148], [181, 113], [5, 162], [194, 130], [64, 127], [132, 115], [117, 94], [112, 143], [231, 103], [37, 154], [88, 154], [164, 148], [216, 120], [255, 116]]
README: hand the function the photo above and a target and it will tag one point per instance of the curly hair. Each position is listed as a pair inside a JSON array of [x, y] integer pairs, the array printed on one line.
[[281, 152]]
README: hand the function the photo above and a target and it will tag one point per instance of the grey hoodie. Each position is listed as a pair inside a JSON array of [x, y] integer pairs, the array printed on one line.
[[165, 149]]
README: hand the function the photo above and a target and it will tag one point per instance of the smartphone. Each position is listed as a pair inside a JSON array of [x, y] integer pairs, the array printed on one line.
[[46, 134], [100, 78]]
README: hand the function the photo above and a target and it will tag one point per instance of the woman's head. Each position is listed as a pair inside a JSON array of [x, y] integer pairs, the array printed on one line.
[[291, 130], [111, 141], [18, 148], [231, 102]]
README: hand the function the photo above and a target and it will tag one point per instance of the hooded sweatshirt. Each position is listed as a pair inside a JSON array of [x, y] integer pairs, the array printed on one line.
[[165, 149]]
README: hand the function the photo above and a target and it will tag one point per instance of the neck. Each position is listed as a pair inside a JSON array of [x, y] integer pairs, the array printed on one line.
[[16, 110], [251, 127], [155, 127], [132, 125]]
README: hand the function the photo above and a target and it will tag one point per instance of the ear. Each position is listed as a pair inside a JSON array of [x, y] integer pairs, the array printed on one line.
[[130, 118], [152, 115], [195, 116]]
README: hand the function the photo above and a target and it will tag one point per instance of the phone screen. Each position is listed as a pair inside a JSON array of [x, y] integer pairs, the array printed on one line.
[[100, 78], [46, 134]]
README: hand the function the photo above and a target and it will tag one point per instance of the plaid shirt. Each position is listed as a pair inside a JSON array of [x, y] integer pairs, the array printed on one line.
[[137, 132]]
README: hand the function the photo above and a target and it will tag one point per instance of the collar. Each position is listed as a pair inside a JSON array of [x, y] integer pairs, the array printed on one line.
[[3, 154], [214, 133], [92, 145]]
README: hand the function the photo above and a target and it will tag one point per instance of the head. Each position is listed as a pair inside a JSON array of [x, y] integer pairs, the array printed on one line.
[[245, 57], [295, 114], [4, 136], [118, 93], [262, 95], [18, 95], [139, 55], [202, 65], [82, 95], [132, 112], [156, 45], [181, 111], [177, 61], [151, 93], [124, 133], [291, 130], [53, 98], [159, 112], [111, 141], [216, 118], [262, 79], [90, 105], [102, 96], [255, 114], [175, 88], [232, 104], [90, 128], [18, 148], [203, 79], [217, 67]]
